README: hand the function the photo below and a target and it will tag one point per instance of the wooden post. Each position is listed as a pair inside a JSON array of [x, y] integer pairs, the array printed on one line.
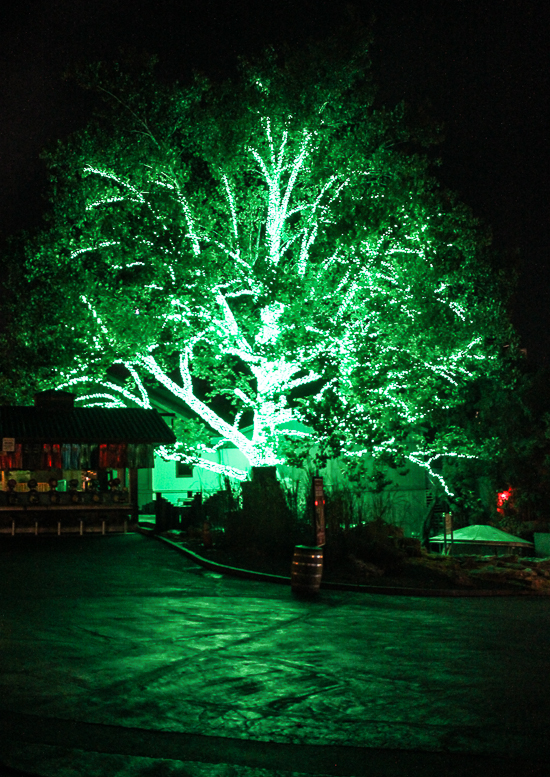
[[81, 527], [318, 511], [133, 490], [159, 512], [448, 528], [13, 528], [59, 528]]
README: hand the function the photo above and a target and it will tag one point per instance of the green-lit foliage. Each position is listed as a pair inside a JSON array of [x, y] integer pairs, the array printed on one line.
[[277, 237]]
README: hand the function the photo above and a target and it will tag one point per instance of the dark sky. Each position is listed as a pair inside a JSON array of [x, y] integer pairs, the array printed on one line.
[[482, 65]]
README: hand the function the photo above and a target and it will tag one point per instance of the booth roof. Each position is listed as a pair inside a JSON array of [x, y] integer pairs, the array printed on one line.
[[84, 425], [482, 535]]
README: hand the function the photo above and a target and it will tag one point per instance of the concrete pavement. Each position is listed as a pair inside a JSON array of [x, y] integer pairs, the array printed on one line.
[[120, 656]]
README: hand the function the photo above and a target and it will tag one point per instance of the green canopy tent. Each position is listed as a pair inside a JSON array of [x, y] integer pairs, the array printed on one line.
[[483, 540]]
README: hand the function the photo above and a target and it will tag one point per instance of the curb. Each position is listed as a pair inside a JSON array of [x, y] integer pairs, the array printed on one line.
[[331, 760], [266, 577]]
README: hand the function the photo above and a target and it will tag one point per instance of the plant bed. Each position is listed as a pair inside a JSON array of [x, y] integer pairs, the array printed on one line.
[[429, 571]]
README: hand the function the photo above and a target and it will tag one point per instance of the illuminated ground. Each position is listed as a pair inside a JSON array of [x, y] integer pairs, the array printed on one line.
[[99, 633]]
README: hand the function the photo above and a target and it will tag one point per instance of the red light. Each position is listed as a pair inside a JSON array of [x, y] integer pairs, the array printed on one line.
[[502, 498]]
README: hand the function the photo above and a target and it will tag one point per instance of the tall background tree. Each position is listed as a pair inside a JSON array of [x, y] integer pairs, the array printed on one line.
[[272, 250], [35, 322]]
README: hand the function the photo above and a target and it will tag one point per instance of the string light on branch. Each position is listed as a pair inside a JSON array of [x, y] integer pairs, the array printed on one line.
[[261, 262]]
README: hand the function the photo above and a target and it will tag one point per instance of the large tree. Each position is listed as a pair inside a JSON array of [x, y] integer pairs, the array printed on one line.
[[271, 249]]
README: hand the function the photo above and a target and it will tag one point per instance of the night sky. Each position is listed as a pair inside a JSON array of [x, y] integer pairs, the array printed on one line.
[[482, 66]]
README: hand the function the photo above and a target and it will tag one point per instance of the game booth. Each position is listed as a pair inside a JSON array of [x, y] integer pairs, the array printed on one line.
[[68, 469]]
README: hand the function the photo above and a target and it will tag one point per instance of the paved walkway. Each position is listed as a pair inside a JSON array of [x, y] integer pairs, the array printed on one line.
[[122, 657]]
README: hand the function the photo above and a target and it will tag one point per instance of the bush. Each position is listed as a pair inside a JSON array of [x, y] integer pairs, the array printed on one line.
[[267, 518], [262, 521], [382, 554], [375, 542], [411, 546]]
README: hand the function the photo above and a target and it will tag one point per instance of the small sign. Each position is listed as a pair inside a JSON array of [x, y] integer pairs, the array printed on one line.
[[319, 511], [8, 444], [448, 523]]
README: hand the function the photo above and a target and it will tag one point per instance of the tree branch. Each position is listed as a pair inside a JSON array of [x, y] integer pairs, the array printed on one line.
[[199, 407]]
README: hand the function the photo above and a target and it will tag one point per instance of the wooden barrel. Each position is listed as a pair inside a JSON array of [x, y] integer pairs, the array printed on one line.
[[307, 569]]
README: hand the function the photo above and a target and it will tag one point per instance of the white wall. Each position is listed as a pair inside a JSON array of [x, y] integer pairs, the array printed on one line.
[[404, 503], [174, 488]]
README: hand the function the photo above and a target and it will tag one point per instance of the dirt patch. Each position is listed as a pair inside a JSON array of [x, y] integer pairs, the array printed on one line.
[[429, 571]]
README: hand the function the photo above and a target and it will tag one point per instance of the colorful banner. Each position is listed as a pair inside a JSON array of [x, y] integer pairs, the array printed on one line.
[[71, 456]]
